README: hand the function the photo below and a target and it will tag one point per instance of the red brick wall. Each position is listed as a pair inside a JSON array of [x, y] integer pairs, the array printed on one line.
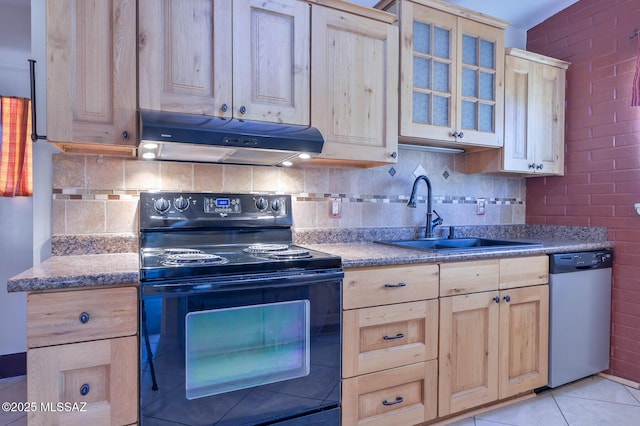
[[602, 151]]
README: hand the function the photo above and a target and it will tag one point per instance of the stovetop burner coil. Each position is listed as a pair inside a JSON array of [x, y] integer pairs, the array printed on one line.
[[290, 254], [190, 257], [265, 248]]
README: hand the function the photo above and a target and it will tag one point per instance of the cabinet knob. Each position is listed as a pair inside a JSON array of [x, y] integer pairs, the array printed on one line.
[[507, 298], [84, 317], [224, 107], [243, 109], [532, 165], [460, 135], [397, 401], [84, 389], [539, 166], [457, 135], [394, 154], [496, 299], [125, 135]]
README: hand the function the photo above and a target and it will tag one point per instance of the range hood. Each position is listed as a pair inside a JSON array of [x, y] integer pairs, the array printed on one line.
[[199, 138]]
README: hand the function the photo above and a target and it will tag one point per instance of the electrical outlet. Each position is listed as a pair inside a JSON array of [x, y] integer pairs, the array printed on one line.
[[481, 206], [335, 207]]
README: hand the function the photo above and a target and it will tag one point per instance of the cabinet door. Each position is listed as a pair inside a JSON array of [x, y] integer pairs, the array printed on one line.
[[480, 76], [184, 49], [271, 70], [103, 374], [524, 328], [354, 86], [91, 71], [518, 94], [468, 353], [427, 84], [546, 119]]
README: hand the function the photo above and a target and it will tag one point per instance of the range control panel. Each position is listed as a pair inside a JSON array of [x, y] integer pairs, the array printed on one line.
[[197, 209]]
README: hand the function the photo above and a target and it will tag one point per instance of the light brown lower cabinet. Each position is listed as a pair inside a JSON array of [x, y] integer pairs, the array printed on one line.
[[390, 345], [398, 396], [82, 357], [494, 344], [95, 381], [409, 357]]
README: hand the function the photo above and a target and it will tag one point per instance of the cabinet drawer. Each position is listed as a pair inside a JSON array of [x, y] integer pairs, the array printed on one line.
[[388, 285], [389, 336], [469, 277], [524, 271], [101, 374], [77, 316], [400, 396]]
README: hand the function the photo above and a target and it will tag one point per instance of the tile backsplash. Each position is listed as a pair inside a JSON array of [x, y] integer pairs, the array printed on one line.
[[96, 194]]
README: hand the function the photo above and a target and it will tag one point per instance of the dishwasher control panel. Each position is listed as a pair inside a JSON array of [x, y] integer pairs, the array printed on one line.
[[565, 262]]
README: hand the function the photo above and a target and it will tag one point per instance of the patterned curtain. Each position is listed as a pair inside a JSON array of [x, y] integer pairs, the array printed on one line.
[[15, 147]]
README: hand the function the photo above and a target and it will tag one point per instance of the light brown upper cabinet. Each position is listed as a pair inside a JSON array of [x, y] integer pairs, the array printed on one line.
[[452, 74], [91, 75], [534, 118], [354, 84], [247, 59]]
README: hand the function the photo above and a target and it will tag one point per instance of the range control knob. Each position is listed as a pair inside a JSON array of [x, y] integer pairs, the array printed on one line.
[[276, 205], [261, 203], [181, 203], [161, 205]]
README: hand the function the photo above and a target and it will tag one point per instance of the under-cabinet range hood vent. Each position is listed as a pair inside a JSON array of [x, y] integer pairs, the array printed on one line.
[[199, 138]]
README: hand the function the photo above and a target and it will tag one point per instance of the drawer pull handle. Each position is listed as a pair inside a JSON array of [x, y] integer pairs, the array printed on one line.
[[397, 401], [397, 336], [395, 285], [84, 317], [84, 389]]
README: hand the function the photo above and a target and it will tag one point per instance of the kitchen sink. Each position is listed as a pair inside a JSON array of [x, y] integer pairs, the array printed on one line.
[[459, 244]]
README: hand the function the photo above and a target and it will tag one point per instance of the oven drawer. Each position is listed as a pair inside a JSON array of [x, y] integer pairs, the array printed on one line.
[[399, 396], [388, 285], [82, 315], [389, 336]]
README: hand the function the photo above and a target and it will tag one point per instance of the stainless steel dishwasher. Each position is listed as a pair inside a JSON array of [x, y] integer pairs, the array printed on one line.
[[579, 315]]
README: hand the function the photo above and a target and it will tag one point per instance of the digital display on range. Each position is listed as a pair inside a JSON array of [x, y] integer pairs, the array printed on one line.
[[222, 205]]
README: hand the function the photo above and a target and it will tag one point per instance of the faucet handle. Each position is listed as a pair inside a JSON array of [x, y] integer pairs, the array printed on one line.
[[438, 220]]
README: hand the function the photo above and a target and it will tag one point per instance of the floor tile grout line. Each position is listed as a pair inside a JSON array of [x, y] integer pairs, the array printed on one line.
[[555, 401]]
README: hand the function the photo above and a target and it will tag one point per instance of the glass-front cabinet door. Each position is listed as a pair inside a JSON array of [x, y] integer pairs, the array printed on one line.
[[452, 78], [481, 81], [428, 81]]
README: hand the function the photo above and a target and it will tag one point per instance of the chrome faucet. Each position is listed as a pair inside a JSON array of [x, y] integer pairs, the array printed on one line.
[[431, 223]]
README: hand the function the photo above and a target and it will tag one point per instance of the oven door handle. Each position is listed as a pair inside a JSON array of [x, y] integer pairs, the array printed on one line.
[[211, 285]]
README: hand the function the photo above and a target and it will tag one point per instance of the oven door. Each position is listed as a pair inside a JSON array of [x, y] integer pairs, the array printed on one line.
[[242, 351]]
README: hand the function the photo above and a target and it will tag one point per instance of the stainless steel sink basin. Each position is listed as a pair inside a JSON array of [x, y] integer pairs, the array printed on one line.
[[459, 244]]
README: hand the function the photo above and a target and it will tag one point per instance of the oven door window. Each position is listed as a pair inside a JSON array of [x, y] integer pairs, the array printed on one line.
[[237, 348]]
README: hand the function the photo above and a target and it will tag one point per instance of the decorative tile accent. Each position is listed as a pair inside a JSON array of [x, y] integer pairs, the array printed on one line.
[[392, 171], [419, 171]]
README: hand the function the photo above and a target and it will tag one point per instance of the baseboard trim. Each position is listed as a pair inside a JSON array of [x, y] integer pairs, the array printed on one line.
[[620, 380], [13, 365]]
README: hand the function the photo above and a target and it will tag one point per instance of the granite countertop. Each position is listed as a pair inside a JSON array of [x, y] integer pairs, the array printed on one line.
[[356, 255], [66, 272], [355, 246]]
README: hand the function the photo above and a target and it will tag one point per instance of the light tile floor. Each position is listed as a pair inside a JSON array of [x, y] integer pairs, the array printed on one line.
[[593, 401]]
